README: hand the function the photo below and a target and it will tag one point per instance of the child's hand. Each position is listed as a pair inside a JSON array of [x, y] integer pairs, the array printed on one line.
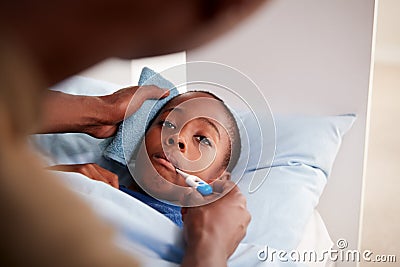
[[90, 170]]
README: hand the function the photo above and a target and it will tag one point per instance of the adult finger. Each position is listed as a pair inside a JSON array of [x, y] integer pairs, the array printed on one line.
[[191, 197], [153, 92], [195, 199], [144, 93], [224, 186]]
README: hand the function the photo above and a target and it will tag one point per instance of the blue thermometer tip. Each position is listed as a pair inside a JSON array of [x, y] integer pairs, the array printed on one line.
[[204, 189]]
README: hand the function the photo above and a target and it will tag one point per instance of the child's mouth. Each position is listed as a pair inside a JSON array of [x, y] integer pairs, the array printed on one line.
[[163, 160]]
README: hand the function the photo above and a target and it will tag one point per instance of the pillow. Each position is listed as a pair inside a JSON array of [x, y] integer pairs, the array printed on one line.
[[306, 147], [79, 85]]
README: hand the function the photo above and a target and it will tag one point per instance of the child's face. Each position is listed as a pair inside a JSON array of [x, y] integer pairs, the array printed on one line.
[[189, 135]]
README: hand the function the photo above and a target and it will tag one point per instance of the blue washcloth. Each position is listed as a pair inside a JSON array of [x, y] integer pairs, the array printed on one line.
[[123, 145]]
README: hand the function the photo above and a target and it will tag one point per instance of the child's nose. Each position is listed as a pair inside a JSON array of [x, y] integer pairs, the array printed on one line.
[[175, 140]]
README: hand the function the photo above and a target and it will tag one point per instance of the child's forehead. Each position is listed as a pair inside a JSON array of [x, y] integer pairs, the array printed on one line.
[[188, 96]]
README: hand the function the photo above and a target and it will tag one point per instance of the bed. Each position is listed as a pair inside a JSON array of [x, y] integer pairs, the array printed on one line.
[[282, 206]]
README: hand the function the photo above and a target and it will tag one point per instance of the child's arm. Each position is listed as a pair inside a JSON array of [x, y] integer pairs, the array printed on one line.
[[90, 170]]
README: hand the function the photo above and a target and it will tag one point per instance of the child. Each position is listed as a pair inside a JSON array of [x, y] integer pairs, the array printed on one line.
[[194, 132]]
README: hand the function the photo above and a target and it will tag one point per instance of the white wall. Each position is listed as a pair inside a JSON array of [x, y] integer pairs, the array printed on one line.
[[127, 72], [312, 57], [112, 70]]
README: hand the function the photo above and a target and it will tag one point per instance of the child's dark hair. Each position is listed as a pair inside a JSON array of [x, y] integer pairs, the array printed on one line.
[[232, 157]]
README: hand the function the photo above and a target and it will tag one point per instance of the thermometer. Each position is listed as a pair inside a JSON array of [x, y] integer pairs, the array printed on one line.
[[195, 182]]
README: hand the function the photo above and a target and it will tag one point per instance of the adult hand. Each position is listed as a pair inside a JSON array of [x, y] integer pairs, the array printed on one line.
[[213, 231], [90, 170], [98, 116], [125, 101]]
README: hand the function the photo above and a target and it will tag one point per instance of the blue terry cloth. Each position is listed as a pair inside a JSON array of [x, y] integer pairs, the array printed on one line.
[[130, 133], [171, 212]]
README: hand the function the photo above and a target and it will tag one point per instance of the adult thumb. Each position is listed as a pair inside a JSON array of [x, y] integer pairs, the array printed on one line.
[[154, 92]]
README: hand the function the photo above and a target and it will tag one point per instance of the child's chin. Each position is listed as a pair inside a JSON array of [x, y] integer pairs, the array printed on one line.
[[176, 182], [170, 177], [171, 194], [161, 188]]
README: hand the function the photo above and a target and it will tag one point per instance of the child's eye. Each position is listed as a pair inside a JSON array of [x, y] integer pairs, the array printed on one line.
[[167, 124], [203, 140]]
